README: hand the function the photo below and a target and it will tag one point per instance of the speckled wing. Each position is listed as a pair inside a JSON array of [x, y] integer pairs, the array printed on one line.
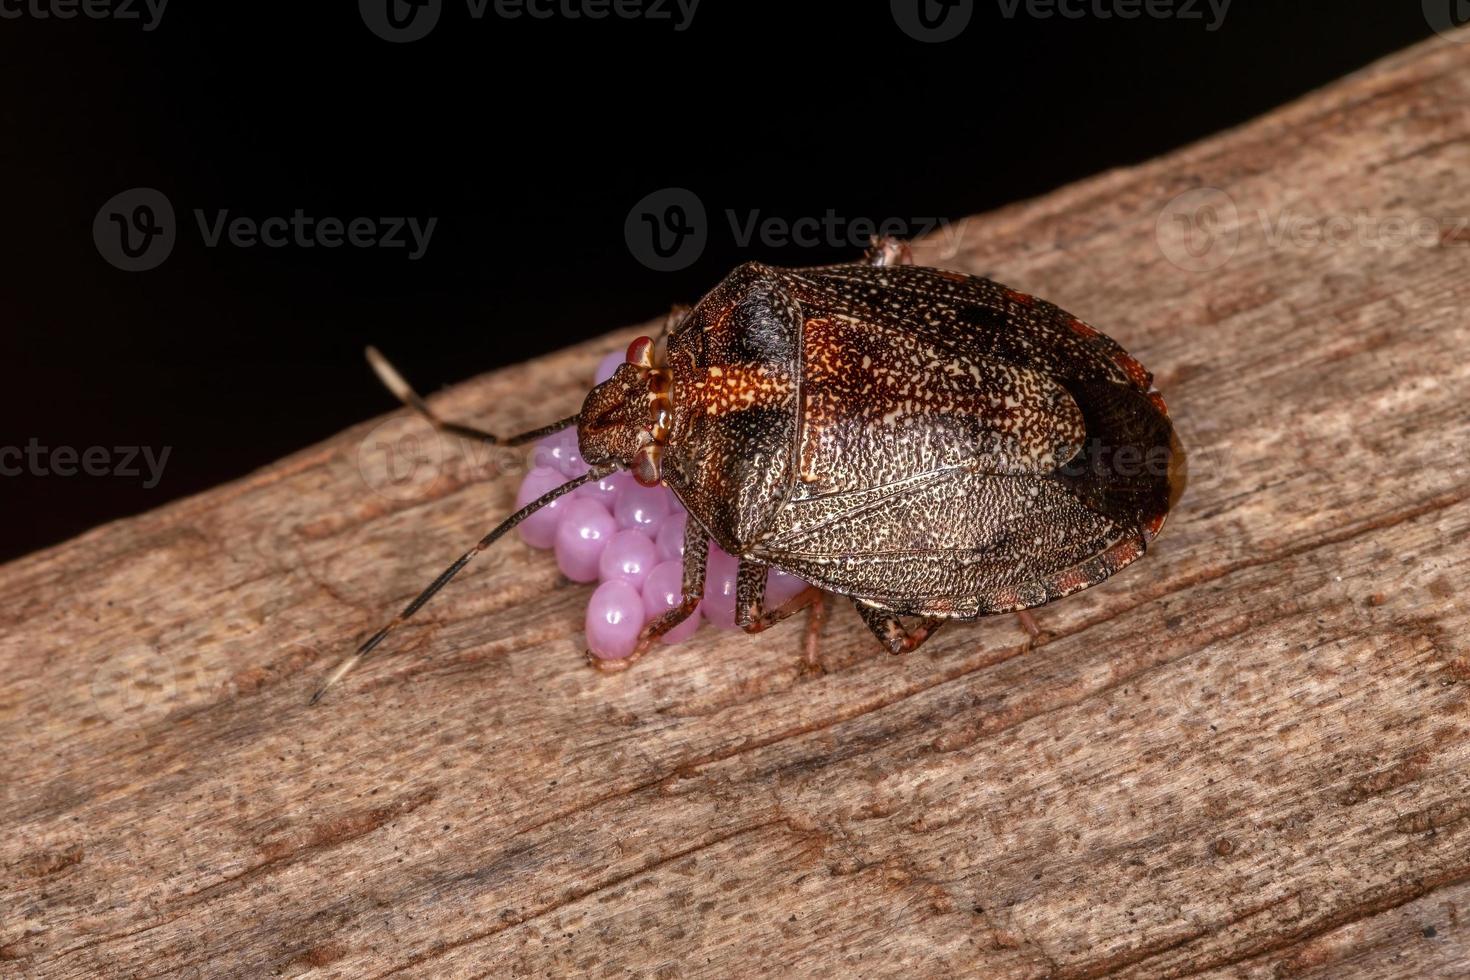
[[946, 453], [880, 403]]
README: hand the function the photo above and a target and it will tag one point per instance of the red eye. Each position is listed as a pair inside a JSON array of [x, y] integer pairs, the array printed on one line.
[[646, 468], [640, 352]]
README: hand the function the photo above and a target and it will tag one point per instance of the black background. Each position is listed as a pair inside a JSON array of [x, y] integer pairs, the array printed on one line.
[[529, 140]]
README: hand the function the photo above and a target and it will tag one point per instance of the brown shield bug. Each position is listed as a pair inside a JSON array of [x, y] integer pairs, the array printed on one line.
[[928, 443]]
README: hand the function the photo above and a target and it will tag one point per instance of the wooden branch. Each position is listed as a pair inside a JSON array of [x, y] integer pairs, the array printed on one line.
[[1245, 755]]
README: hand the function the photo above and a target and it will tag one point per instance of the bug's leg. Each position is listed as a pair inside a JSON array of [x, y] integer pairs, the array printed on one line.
[[891, 632], [886, 250], [404, 392], [816, 618], [752, 615], [696, 551], [1028, 623]]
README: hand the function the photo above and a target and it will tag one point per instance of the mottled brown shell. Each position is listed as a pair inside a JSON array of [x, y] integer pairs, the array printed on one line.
[[930, 442]]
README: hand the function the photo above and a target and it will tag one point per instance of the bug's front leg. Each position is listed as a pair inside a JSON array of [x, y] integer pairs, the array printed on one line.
[[696, 551], [891, 632], [752, 615]]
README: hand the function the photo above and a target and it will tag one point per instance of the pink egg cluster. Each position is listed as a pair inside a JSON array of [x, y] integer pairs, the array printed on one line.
[[630, 539]]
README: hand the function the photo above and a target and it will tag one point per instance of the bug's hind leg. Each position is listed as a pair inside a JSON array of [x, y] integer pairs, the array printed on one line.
[[1028, 623], [404, 392], [752, 615], [886, 250], [890, 630], [696, 550]]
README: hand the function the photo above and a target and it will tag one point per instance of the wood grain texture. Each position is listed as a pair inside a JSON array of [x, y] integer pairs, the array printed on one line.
[[1245, 756]]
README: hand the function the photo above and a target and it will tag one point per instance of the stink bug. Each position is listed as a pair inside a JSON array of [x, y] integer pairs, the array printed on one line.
[[927, 443]]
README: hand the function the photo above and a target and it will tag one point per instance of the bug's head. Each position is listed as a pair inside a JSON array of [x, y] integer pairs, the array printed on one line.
[[627, 418]]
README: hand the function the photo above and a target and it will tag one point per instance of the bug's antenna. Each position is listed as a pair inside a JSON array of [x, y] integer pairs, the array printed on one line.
[[363, 651], [404, 392]]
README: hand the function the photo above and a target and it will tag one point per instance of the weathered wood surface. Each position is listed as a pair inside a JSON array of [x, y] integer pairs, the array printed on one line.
[[1244, 756]]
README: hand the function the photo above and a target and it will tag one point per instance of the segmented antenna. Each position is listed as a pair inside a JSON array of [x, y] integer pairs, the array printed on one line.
[[367, 648]]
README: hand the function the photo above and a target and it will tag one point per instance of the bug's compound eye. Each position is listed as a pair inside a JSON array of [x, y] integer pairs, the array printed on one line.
[[640, 352], [646, 469]]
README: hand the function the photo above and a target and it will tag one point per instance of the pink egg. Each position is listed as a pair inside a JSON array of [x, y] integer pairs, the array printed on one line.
[[539, 530], [662, 591], [719, 588], [614, 619], [584, 531], [608, 365], [781, 588], [559, 452], [629, 556], [642, 507], [605, 490], [670, 540]]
